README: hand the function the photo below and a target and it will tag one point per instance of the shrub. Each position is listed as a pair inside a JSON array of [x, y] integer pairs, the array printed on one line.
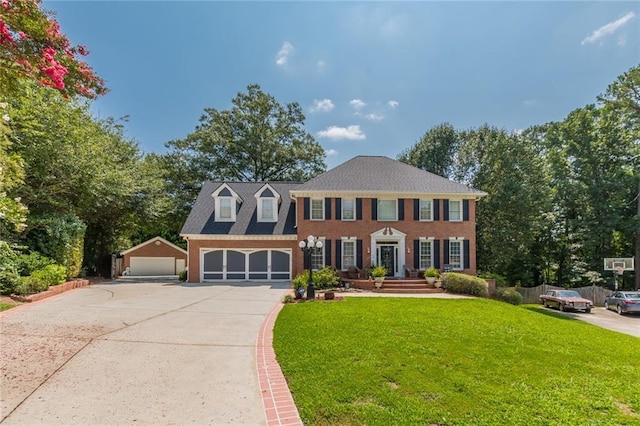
[[509, 296], [501, 281], [27, 264], [49, 275], [29, 285], [8, 268], [378, 271], [8, 281], [287, 299], [458, 283], [300, 281], [431, 272], [323, 278], [182, 276]]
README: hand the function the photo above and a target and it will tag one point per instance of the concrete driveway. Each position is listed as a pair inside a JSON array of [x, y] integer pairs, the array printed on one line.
[[627, 324], [136, 352]]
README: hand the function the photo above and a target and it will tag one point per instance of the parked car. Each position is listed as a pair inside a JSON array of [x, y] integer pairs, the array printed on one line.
[[623, 302], [566, 300]]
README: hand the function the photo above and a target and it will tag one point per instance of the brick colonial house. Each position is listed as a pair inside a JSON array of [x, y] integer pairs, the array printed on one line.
[[368, 210]]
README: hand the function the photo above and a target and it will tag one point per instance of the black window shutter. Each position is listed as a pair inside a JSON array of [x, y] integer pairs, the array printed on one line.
[[416, 254], [327, 208], [416, 209], [446, 252], [338, 208], [327, 252], [359, 253], [465, 210], [358, 208], [400, 208], [436, 254], [307, 207], [465, 247], [306, 260], [445, 209], [436, 209], [374, 209], [338, 254]]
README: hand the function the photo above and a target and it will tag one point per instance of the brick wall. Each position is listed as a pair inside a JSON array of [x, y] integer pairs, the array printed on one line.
[[442, 230]]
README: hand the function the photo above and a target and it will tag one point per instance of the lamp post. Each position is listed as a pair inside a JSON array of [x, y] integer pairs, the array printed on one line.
[[308, 246]]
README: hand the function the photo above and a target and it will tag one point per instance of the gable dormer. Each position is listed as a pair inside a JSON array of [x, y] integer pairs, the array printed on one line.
[[267, 201], [226, 203]]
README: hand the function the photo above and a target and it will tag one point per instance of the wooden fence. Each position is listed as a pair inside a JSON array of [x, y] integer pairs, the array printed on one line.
[[595, 293]]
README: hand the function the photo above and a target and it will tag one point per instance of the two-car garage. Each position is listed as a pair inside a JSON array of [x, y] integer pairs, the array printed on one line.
[[245, 264]]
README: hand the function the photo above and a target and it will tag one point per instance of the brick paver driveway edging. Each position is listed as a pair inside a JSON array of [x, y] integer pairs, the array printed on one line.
[[143, 353]]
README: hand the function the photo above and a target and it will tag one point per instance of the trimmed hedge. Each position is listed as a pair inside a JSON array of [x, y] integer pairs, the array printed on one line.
[[458, 283], [509, 296]]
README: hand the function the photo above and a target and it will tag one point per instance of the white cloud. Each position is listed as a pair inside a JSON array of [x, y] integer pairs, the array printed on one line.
[[321, 65], [283, 54], [335, 132], [357, 104], [374, 117], [393, 104], [323, 105], [608, 29], [330, 152]]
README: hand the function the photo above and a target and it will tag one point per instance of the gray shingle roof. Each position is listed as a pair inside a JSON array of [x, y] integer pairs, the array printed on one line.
[[201, 220], [382, 174]]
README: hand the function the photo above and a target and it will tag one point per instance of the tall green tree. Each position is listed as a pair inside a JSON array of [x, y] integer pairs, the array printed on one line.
[[623, 96], [436, 151], [258, 139]]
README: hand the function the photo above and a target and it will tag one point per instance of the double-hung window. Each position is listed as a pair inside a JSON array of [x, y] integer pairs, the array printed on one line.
[[387, 209], [426, 210], [225, 212], [426, 254], [317, 209], [348, 209], [455, 254], [267, 209], [348, 253], [317, 257], [455, 210]]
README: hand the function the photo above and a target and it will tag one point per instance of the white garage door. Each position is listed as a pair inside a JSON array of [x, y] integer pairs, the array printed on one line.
[[233, 264], [153, 266]]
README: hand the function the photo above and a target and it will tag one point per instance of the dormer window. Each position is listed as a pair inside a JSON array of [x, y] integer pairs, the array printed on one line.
[[226, 201], [267, 200]]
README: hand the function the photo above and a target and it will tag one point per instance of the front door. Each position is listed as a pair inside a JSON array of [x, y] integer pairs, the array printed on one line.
[[387, 258]]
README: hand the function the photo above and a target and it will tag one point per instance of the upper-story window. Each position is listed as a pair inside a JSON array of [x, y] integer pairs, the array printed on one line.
[[348, 209], [267, 204], [426, 210], [225, 211], [317, 209], [226, 201], [455, 210], [387, 209]]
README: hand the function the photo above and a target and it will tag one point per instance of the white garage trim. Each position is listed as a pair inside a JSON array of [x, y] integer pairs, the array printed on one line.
[[232, 264], [152, 266]]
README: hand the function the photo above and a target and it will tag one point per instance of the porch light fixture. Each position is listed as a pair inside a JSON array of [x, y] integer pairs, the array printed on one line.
[[308, 247]]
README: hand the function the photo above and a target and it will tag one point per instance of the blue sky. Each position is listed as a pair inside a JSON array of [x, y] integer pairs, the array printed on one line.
[[371, 77]]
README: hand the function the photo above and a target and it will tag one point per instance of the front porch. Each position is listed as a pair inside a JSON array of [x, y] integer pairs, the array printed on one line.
[[394, 285]]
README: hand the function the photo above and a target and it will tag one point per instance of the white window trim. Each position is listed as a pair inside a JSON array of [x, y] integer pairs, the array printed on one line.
[[461, 213], [430, 219], [429, 241], [351, 240], [218, 209], [274, 209], [459, 240], [378, 212], [343, 210], [321, 252], [322, 202]]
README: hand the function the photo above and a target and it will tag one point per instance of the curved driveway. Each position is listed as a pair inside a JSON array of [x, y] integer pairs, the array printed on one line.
[[143, 353]]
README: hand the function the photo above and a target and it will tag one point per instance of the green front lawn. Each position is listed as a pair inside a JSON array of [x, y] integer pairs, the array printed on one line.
[[4, 306], [397, 361]]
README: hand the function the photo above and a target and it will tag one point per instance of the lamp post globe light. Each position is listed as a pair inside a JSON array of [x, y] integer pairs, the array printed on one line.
[[308, 247]]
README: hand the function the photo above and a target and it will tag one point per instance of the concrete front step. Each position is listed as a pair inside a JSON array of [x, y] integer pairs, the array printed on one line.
[[399, 290]]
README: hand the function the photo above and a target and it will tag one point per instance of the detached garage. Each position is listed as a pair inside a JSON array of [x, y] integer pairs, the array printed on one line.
[[155, 257]]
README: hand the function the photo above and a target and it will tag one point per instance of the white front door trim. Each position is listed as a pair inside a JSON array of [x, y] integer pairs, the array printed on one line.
[[389, 234]]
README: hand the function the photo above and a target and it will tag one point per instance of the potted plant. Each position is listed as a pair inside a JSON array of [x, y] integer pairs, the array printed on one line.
[[378, 273], [299, 284], [431, 274]]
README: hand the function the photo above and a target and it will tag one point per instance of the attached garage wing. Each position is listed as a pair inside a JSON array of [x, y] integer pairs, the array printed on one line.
[[152, 266], [259, 264]]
